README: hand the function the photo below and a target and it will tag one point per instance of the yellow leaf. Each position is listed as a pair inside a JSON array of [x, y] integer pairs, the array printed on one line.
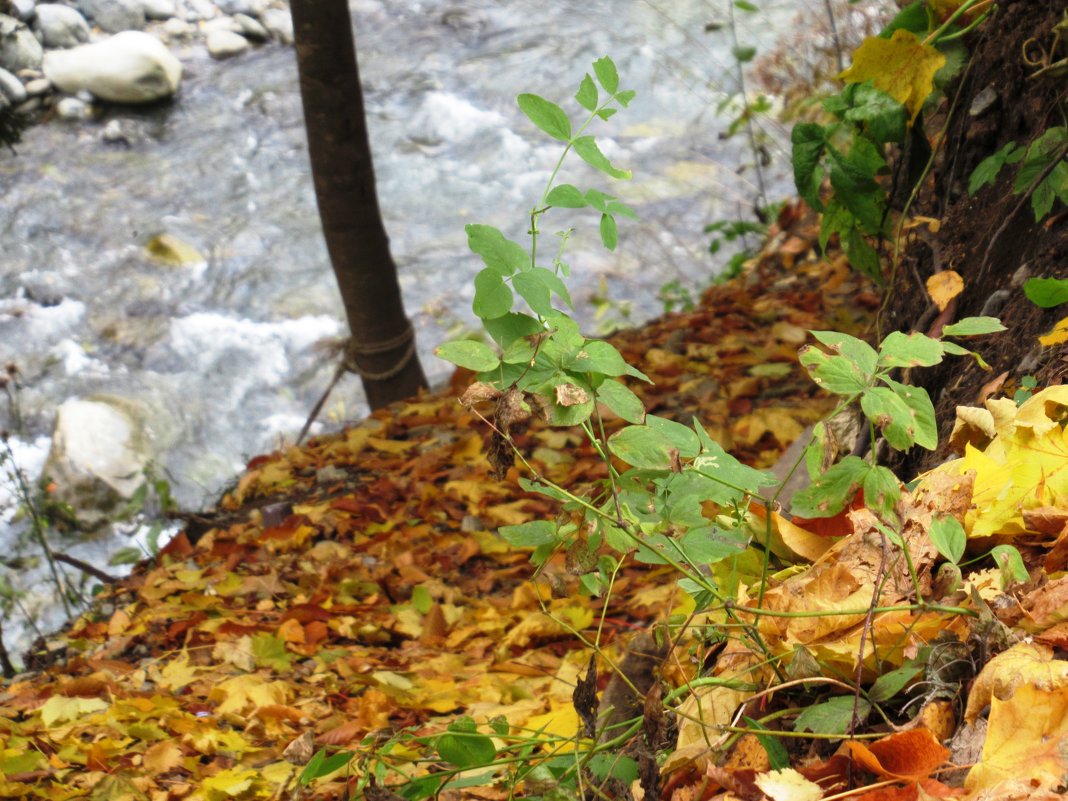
[[944, 286], [1027, 735], [1026, 663], [788, 785], [237, 695], [902, 66], [1057, 336], [163, 757], [561, 721], [176, 674], [233, 783], [60, 709]]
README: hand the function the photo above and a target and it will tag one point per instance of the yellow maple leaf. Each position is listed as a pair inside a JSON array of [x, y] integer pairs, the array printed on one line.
[[902, 66]]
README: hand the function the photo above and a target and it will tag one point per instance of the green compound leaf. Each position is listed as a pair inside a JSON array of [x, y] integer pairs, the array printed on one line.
[[809, 142], [587, 149], [498, 252], [833, 716], [828, 494], [924, 428], [882, 490], [546, 115], [622, 402], [890, 415], [947, 535], [587, 93], [973, 326], [883, 117], [909, 350], [598, 356], [508, 328], [566, 196], [477, 356], [641, 447], [1046, 292], [492, 297], [678, 436], [605, 69], [988, 169]]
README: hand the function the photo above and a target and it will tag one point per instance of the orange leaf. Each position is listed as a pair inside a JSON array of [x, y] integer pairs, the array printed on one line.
[[944, 286], [907, 755]]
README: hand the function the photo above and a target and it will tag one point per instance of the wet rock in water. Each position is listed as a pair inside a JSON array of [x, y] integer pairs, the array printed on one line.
[[159, 9], [225, 44], [129, 67], [11, 88], [176, 28], [60, 26], [114, 15], [99, 454], [19, 48]]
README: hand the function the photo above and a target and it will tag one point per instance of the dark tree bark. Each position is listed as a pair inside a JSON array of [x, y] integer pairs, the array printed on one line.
[[382, 345]]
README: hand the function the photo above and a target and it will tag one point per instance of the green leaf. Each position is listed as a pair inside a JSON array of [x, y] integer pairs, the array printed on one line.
[[530, 534], [566, 196], [625, 97], [890, 684], [808, 140], [270, 651], [613, 766], [508, 328], [947, 535], [605, 70], [913, 17], [857, 350], [532, 288], [715, 463], [832, 716], [884, 118], [924, 427], [988, 169], [642, 447], [623, 403], [836, 374], [587, 149], [973, 326], [498, 252], [1046, 292], [477, 356], [492, 297], [609, 231], [464, 747], [572, 400], [745, 6], [890, 415], [862, 256], [909, 350], [828, 494], [546, 115], [1010, 563], [743, 53], [678, 436], [321, 765], [882, 490], [853, 180], [778, 756], [587, 93], [598, 356]]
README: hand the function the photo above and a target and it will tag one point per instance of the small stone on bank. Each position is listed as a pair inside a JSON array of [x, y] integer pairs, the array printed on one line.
[[60, 26], [225, 44], [11, 88]]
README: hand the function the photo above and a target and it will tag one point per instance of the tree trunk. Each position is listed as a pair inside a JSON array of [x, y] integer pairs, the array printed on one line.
[[382, 346]]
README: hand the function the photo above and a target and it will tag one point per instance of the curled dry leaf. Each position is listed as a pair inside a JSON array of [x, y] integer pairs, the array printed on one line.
[[944, 286]]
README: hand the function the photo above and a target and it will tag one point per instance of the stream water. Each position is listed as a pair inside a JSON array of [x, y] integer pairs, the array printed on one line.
[[223, 354]]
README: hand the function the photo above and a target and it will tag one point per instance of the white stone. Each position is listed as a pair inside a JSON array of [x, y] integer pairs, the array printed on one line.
[[159, 9], [176, 28], [23, 9], [224, 44], [279, 23], [99, 456], [129, 67], [38, 86], [71, 108], [251, 28], [19, 48], [11, 87], [60, 26]]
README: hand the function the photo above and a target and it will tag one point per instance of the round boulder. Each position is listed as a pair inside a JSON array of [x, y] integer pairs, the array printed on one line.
[[129, 67], [225, 44], [19, 48], [99, 456], [60, 26], [114, 15]]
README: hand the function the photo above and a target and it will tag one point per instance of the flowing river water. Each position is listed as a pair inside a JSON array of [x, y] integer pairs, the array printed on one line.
[[222, 354]]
